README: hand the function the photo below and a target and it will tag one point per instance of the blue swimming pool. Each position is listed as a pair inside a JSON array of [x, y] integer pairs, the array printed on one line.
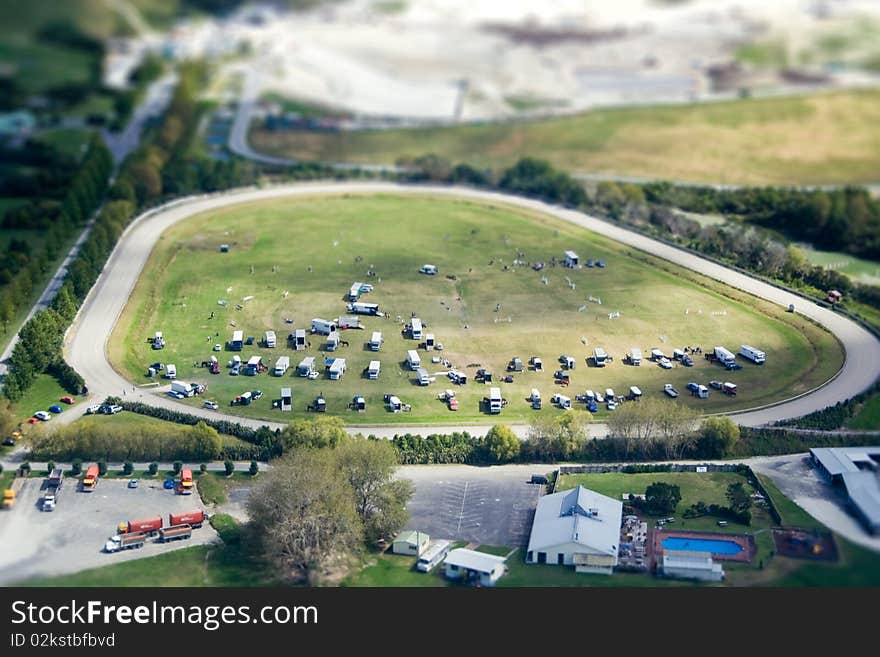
[[701, 545]]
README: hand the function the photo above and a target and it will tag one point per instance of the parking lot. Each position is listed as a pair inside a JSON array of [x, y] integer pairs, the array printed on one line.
[[488, 505], [71, 538]]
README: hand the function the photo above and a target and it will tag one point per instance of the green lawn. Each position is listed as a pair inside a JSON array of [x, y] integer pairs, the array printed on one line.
[[824, 138], [40, 396], [228, 564], [863, 271], [792, 515], [346, 235], [868, 416], [71, 141], [394, 570]]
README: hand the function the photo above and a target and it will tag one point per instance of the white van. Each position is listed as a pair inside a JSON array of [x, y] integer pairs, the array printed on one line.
[[416, 328], [170, 371], [433, 555], [413, 360]]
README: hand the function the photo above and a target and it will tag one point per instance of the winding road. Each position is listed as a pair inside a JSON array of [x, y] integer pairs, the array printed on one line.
[[86, 341]]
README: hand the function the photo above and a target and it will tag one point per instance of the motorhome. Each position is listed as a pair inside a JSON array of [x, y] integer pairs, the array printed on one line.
[[413, 360], [702, 392], [306, 366], [354, 293], [332, 343], [323, 327], [755, 355], [634, 393], [635, 356], [422, 376], [562, 401], [429, 342], [373, 370], [416, 328], [376, 341], [433, 555], [237, 340], [495, 400], [183, 388], [571, 260], [657, 354], [599, 357], [535, 398], [269, 339], [729, 388], [282, 365], [299, 339], [286, 399], [724, 355], [170, 371], [254, 365], [363, 308], [337, 369]]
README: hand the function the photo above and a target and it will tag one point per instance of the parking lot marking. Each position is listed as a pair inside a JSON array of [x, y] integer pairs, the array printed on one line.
[[461, 512]]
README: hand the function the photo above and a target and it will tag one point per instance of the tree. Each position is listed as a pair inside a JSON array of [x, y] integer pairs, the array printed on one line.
[[718, 437], [368, 466], [229, 467], [324, 431], [50, 465], [153, 469], [76, 467], [661, 499], [501, 444], [203, 468], [254, 469], [127, 468], [738, 498], [102, 468], [303, 513], [207, 442], [557, 438]]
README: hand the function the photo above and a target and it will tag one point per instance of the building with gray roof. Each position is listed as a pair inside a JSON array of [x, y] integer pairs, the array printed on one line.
[[857, 470]]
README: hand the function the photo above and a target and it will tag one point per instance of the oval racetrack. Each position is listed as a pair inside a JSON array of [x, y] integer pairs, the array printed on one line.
[[86, 341]]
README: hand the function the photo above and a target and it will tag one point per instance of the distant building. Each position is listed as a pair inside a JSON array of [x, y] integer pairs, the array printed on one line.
[[856, 469], [411, 543], [579, 528], [472, 566], [683, 564]]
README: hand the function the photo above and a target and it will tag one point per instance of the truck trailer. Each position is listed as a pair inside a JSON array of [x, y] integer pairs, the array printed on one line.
[[757, 356], [282, 365], [90, 479], [125, 542], [148, 526], [177, 533], [192, 518], [53, 490]]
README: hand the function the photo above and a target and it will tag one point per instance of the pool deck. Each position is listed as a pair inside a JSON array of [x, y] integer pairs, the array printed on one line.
[[746, 542]]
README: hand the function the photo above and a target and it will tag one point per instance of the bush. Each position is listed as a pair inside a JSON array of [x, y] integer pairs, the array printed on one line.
[[153, 469], [127, 468], [102, 468], [203, 468], [49, 467], [76, 467], [178, 466], [254, 469], [25, 468], [229, 466]]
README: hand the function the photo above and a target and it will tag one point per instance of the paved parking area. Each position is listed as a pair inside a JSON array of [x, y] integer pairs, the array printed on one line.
[[71, 538], [488, 505]]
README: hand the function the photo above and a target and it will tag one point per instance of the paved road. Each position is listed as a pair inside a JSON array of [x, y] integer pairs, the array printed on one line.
[[155, 101], [85, 344]]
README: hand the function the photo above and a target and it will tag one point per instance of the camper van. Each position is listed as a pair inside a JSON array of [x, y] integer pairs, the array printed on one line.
[[423, 377], [373, 370], [332, 343], [535, 398], [562, 401], [282, 365], [354, 293], [755, 355], [299, 339], [495, 400], [237, 340], [170, 371], [429, 342], [254, 365], [323, 327], [634, 393], [306, 366], [599, 357], [376, 341], [416, 328], [724, 355], [269, 339], [394, 404], [337, 369], [363, 308], [635, 356], [729, 388], [413, 360], [286, 399], [433, 555]]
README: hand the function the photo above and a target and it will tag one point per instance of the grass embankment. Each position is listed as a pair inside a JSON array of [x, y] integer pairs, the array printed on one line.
[[339, 239], [825, 138]]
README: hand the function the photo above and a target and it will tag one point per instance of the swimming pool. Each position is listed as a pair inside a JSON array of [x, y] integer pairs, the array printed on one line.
[[714, 546]]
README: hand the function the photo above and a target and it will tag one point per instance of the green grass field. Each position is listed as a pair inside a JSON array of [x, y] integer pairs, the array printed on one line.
[[863, 271], [40, 396], [339, 238], [868, 416], [825, 138]]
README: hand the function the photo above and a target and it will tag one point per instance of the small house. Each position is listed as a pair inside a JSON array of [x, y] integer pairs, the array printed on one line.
[[413, 360], [337, 369], [571, 260], [306, 366], [411, 543], [373, 370], [286, 399], [474, 567]]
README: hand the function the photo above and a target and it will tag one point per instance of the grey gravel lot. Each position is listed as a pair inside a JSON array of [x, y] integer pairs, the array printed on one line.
[[35, 544]]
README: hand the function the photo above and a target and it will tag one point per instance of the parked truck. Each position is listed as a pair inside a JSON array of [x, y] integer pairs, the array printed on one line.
[[125, 542], [90, 479], [10, 494], [177, 533], [755, 355], [192, 518], [147, 526], [185, 485], [53, 490]]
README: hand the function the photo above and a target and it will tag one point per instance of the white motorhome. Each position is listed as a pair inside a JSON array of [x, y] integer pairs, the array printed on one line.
[[755, 355], [286, 399], [332, 343], [657, 354], [635, 356], [599, 357], [323, 327], [562, 401], [535, 398], [429, 342], [423, 377], [724, 355], [337, 369], [416, 329], [269, 339], [495, 400], [282, 365], [354, 293], [170, 371], [635, 392], [306, 366], [299, 339], [237, 340], [394, 404], [373, 370], [253, 365], [433, 555], [183, 388], [413, 360], [363, 308], [376, 341]]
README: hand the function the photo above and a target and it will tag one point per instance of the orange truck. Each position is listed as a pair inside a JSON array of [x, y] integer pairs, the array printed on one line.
[[185, 485], [193, 518], [90, 479], [147, 526]]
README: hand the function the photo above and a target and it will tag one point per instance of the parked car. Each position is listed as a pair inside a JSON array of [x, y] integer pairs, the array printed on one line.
[[692, 386], [169, 483], [212, 405], [250, 340], [113, 409], [132, 483], [716, 384], [235, 369], [312, 375], [256, 394], [91, 410], [218, 347], [666, 364], [612, 405], [32, 420], [176, 395], [55, 408], [42, 415], [68, 400]]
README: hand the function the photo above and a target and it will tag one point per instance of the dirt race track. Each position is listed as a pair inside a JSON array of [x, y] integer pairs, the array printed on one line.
[[85, 343]]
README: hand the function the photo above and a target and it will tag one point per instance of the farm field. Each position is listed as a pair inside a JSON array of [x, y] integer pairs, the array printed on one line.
[[820, 139], [297, 259]]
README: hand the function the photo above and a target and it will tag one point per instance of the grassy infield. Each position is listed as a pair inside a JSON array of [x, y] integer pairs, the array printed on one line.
[[462, 238]]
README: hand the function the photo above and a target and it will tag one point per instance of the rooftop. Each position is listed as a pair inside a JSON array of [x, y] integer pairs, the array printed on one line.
[[473, 560], [577, 516]]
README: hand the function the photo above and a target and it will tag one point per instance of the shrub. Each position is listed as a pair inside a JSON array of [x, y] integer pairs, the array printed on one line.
[[25, 468], [178, 466], [230, 467], [49, 467], [254, 469], [102, 468], [203, 468], [154, 468], [76, 467], [127, 468]]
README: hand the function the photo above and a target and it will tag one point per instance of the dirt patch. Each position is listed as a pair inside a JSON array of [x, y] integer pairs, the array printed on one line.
[[803, 544]]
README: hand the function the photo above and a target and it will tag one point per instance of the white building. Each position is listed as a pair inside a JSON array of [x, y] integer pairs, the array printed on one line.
[[683, 564], [412, 543], [472, 566], [579, 528]]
